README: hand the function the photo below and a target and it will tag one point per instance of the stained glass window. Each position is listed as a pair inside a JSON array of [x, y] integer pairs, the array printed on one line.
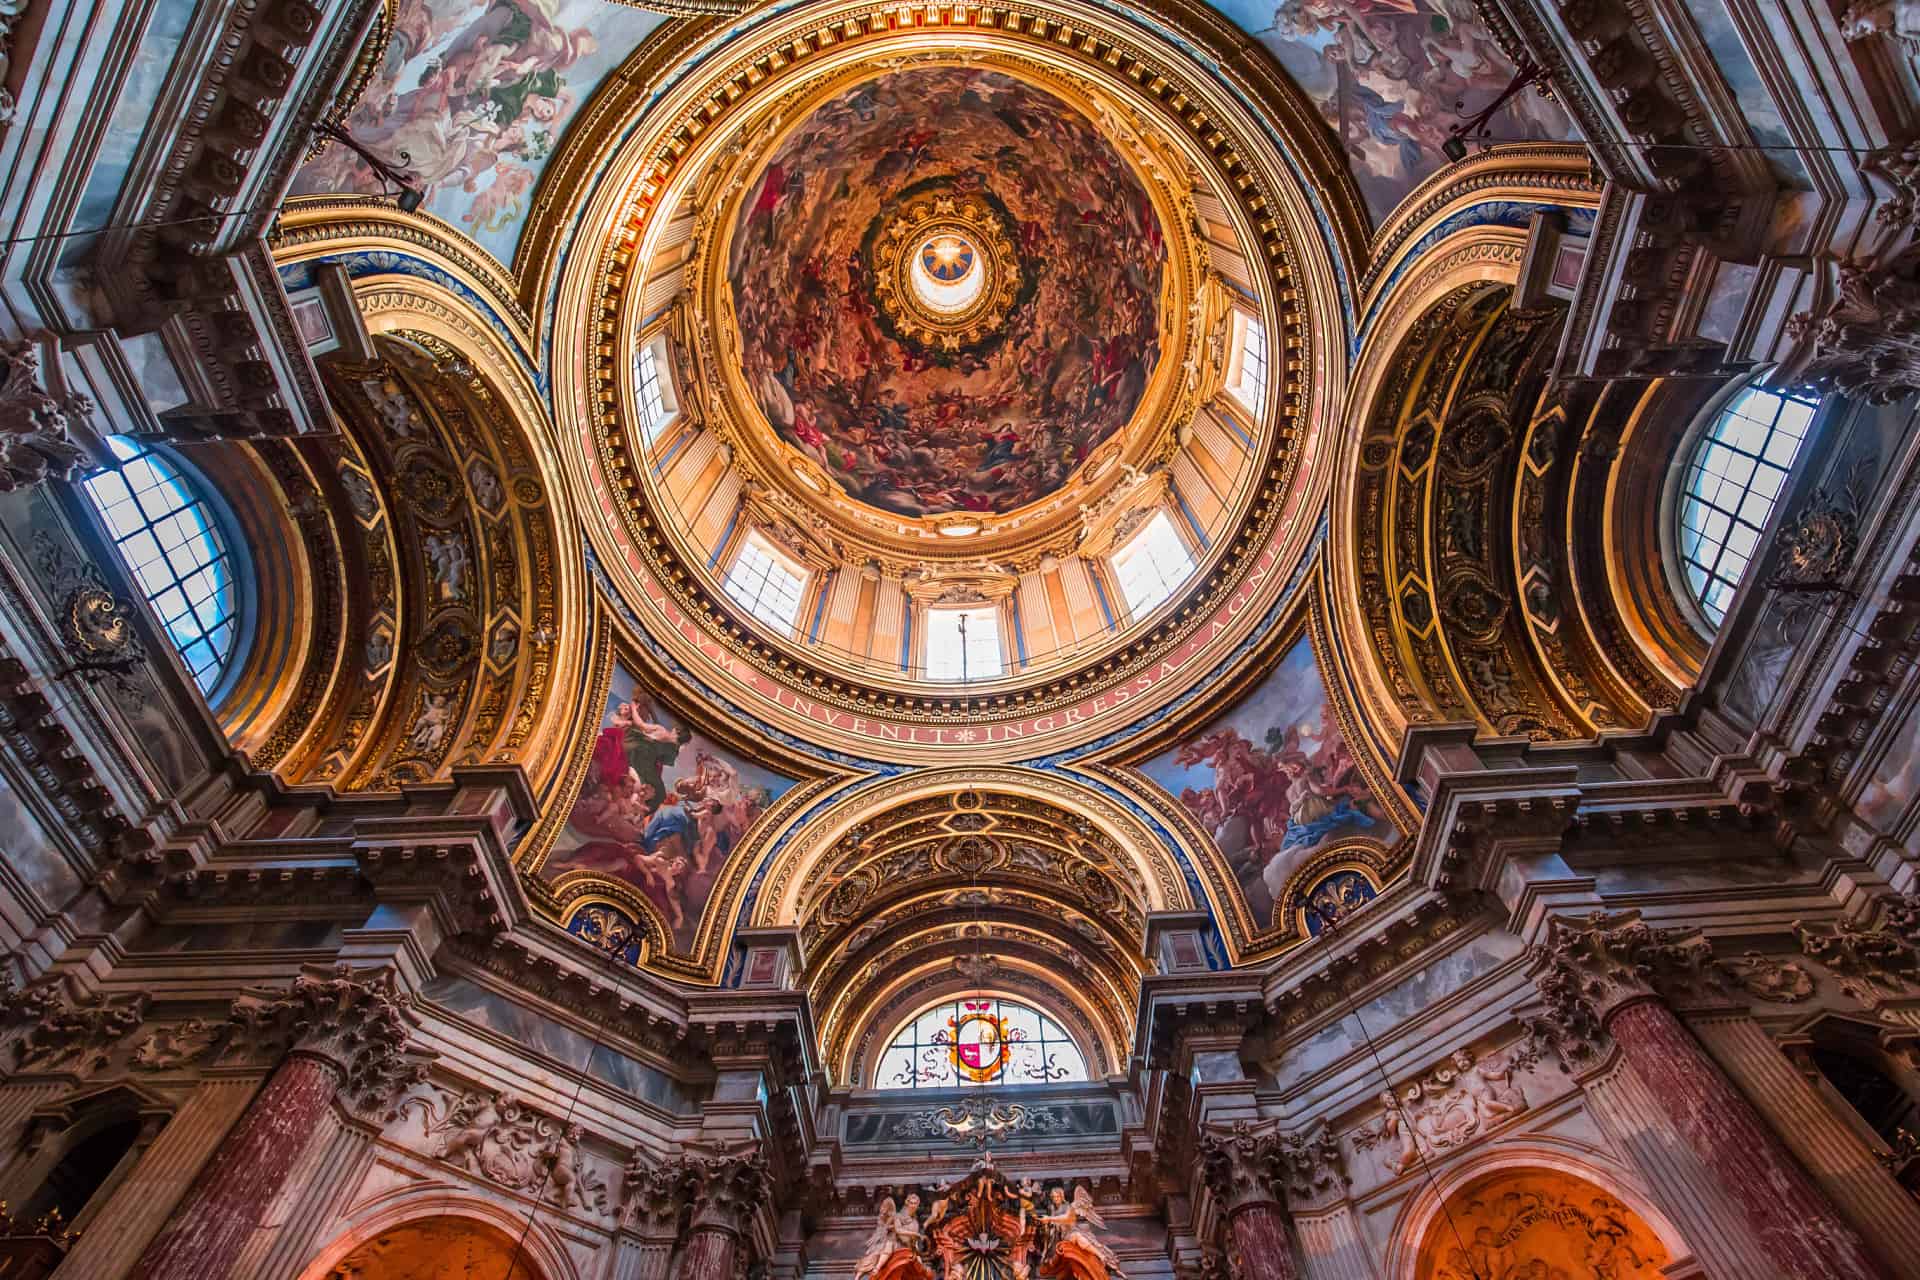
[[1152, 564], [1732, 481], [979, 1040], [164, 524], [765, 583]]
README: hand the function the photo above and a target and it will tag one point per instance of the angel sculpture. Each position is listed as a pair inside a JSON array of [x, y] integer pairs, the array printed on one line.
[[893, 1250], [1075, 1254]]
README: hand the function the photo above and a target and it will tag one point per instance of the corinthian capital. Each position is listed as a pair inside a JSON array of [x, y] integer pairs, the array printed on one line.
[[1238, 1164], [653, 1194], [725, 1184], [351, 1021], [1589, 968]]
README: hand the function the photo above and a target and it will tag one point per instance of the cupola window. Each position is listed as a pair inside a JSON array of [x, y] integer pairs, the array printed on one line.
[[979, 1040], [1732, 480], [963, 644], [172, 532], [1152, 565], [654, 391], [1247, 373], [766, 583]]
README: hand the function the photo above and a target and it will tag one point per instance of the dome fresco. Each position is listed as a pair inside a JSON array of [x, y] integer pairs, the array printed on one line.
[[907, 412]]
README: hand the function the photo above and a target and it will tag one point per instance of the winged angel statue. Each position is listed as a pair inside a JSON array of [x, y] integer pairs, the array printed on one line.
[[982, 1229]]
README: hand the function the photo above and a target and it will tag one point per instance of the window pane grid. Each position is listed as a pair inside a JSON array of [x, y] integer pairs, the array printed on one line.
[[976, 657], [1251, 386], [978, 1041], [763, 583], [654, 414], [1152, 565], [165, 533], [1732, 480]]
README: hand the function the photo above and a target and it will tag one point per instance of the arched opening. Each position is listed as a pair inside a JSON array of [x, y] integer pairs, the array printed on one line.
[[979, 1040], [443, 1248], [178, 541], [1728, 476], [79, 1174], [1538, 1223]]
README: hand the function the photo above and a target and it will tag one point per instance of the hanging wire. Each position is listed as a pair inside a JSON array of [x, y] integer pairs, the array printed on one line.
[[1329, 925], [519, 1246]]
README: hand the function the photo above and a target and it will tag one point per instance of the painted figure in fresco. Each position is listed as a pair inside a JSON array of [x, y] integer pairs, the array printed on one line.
[[470, 98], [917, 429], [1274, 783], [894, 1249], [1390, 76], [658, 810], [1075, 1252]]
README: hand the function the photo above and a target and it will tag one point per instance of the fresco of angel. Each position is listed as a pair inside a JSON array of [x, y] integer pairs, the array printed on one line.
[[470, 101], [1391, 77], [894, 1249]]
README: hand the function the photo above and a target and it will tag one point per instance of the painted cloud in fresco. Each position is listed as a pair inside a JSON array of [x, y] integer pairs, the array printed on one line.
[[661, 808], [1273, 781], [1389, 76], [472, 99]]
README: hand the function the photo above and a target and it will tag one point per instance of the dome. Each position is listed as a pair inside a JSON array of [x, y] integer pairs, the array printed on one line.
[[940, 398], [947, 284]]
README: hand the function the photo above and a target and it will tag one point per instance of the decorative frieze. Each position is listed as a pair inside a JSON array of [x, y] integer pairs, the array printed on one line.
[[507, 1142], [65, 1030], [1871, 964]]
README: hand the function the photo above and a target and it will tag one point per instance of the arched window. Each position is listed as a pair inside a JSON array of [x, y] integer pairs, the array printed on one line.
[[171, 531], [979, 1040], [1733, 477]]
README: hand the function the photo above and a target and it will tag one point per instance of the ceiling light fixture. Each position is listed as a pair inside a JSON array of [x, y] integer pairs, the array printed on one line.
[[409, 197]]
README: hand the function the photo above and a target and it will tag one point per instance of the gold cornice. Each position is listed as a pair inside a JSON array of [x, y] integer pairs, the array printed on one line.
[[1539, 172], [328, 226]]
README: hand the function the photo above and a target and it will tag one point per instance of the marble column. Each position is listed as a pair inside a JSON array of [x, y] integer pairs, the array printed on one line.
[[338, 1030], [1598, 977], [1238, 1165], [725, 1186]]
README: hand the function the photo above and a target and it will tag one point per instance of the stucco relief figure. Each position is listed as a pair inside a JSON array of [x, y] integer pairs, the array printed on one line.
[[1457, 1101], [893, 1250], [1075, 1252]]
